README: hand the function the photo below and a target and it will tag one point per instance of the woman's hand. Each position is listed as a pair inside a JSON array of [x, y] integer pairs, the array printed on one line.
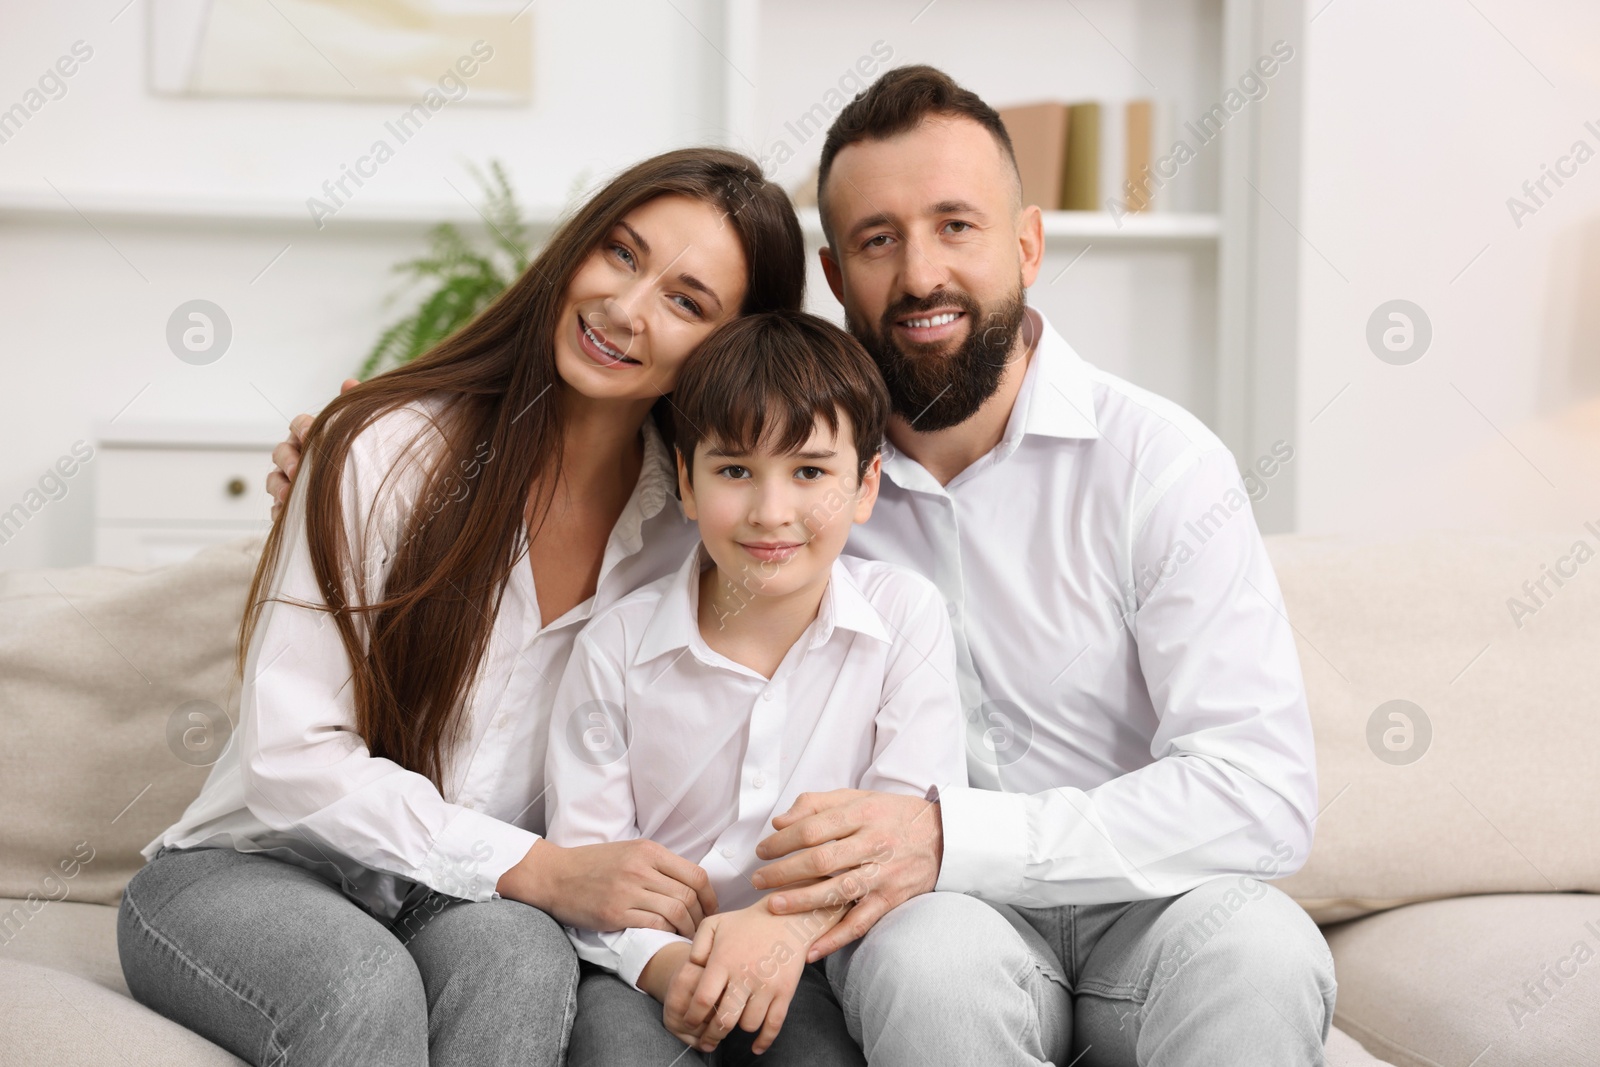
[[286, 457], [614, 886]]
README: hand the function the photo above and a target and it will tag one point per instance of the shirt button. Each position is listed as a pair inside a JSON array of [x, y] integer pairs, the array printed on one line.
[[766, 696], [727, 853], [758, 781], [951, 608]]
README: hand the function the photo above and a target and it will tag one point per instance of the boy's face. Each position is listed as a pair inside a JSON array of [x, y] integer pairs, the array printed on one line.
[[774, 524]]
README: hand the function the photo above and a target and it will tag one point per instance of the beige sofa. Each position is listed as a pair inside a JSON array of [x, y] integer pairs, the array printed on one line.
[[1455, 887]]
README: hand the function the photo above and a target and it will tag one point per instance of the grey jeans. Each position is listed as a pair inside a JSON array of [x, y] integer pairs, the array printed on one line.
[[1230, 974], [279, 967], [618, 1026]]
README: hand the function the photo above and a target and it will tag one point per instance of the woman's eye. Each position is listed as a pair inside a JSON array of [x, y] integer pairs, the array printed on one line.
[[688, 305], [623, 254]]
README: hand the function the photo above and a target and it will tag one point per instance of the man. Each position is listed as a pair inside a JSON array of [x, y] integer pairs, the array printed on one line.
[[1137, 729], [1140, 752]]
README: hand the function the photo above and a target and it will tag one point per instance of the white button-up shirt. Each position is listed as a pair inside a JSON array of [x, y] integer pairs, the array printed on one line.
[[297, 782], [656, 735], [1136, 719]]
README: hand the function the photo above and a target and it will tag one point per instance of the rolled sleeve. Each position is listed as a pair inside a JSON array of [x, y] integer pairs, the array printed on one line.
[[472, 853]]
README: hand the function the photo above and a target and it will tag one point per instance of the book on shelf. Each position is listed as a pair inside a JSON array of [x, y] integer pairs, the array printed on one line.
[[1039, 138], [1080, 182], [1088, 155]]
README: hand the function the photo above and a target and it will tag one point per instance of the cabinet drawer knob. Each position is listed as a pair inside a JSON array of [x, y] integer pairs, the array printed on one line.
[[236, 487]]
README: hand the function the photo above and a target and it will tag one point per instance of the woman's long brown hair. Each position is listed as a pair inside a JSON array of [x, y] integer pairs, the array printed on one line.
[[429, 629]]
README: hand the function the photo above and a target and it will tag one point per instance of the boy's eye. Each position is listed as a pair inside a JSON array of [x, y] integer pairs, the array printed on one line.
[[733, 470], [810, 474]]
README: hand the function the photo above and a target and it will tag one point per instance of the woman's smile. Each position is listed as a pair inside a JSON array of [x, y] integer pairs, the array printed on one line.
[[593, 344]]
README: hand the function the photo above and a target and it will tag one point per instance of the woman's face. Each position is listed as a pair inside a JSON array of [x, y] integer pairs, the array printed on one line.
[[669, 273]]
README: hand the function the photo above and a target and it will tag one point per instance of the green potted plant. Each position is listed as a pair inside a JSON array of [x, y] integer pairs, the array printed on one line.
[[462, 279]]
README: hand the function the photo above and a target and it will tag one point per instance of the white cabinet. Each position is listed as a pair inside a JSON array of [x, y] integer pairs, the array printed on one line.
[[165, 491]]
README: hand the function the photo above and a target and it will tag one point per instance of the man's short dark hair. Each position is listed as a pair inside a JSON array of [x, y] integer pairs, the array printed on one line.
[[898, 102], [761, 381]]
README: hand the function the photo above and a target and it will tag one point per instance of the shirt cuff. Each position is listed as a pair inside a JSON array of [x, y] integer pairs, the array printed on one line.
[[985, 842], [636, 947], [471, 854]]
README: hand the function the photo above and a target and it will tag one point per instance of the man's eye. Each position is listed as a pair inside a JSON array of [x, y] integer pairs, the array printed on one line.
[[872, 242], [963, 225]]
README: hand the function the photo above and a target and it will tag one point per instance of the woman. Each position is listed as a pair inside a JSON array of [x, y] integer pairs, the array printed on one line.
[[352, 884]]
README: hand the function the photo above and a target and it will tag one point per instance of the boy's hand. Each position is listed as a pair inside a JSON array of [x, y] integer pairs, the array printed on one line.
[[671, 977], [752, 963]]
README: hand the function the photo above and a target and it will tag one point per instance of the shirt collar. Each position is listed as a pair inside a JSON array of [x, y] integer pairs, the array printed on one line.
[[1057, 395], [674, 625], [658, 474], [1056, 399]]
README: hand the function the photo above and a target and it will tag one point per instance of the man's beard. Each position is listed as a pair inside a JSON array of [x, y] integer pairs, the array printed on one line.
[[933, 391]]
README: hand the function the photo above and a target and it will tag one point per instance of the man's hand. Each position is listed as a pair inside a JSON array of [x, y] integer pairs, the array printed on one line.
[[881, 849], [752, 961], [286, 457], [612, 886]]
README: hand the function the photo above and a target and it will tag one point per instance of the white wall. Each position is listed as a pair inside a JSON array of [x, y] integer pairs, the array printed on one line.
[[87, 299], [86, 302], [1422, 118]]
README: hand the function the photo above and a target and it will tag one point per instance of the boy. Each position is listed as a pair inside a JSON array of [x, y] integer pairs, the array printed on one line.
[[701, 705]]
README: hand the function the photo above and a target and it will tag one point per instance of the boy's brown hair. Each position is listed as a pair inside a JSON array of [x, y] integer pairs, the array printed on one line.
[[760, 382]]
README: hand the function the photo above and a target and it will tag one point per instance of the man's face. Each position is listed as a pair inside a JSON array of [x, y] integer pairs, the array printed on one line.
[[931, 256]]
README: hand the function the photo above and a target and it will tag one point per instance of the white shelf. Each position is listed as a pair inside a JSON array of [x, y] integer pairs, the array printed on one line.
[[1155, 227], [212, 435], [97, 207], [46, 206]]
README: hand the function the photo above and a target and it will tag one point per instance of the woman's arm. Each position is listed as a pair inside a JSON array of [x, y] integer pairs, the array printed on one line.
[[304, 768]]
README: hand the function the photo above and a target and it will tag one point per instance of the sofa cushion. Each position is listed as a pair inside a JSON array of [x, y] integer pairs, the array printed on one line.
[[1495, 981], [63, 1000], [78, 939], [116, 687], [1501, 797]]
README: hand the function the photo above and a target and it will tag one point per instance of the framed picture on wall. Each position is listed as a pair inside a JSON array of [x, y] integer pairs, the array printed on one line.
[[471, 51]]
